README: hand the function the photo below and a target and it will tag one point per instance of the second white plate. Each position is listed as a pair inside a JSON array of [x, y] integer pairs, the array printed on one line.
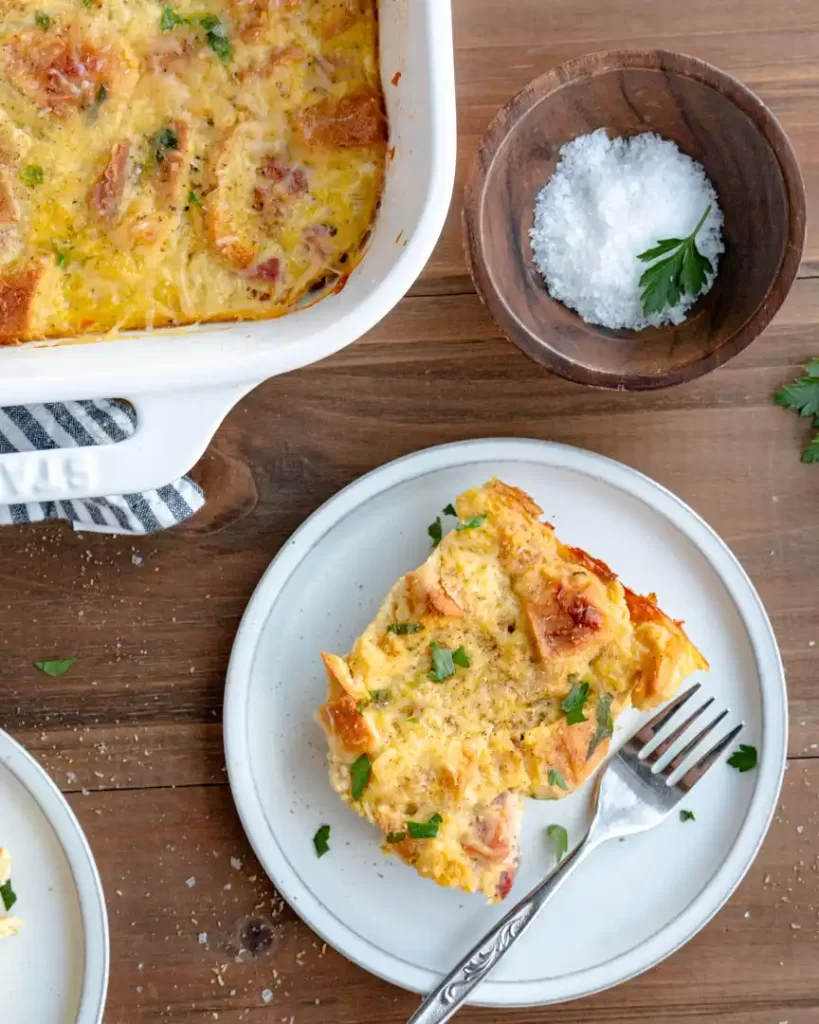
[[56, 970], [631, 904]]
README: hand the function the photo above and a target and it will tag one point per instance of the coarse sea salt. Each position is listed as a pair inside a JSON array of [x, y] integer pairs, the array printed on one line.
[[608, 201]]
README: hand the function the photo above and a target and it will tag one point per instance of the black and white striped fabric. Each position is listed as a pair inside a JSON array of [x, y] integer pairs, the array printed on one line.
[[26, 428]]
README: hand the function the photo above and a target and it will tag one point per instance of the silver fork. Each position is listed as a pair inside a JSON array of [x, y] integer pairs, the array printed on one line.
[[633, 794]]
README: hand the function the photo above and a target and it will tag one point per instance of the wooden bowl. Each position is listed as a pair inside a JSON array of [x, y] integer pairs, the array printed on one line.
[[712, 118]]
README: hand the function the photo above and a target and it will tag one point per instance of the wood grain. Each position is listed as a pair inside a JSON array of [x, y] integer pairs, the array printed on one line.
[[172, 941], [772, 48], [136, 722]]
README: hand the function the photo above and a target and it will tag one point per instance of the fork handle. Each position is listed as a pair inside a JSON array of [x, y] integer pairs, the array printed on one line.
[[445, 1001]]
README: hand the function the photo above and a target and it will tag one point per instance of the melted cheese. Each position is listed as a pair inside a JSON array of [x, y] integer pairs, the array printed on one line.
[[158, 168], [535, 620]]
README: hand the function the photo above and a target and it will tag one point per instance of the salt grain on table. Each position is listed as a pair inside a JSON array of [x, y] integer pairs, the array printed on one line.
[[608, 201]]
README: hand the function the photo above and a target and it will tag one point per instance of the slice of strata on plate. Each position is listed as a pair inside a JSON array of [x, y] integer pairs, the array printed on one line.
[[492, 672]]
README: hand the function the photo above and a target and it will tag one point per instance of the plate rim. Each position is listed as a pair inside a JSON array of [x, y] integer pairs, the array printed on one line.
[[33, 777], [773, 710]]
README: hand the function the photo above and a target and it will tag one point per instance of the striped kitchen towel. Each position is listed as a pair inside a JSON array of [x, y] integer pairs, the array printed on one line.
[[25, 428]]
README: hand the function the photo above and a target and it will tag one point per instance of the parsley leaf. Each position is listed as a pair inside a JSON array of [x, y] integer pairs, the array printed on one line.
[[460, 657], [683, 271], [217, 37], [743, 759], [402, 628], [359, 776], [87, 3], [472, 523], [320, 840], [443, 663], [660, 249], [573, 703], [561, 840], [380, 696], [425, 829], [170, 19], [61, 256], [450, 510], [165, 139], [102, 94], [556, 779], [811, 452], [194, 199], [56, 668], [687, 816], [435, 531], [396, 837], [43, 20], [803, 397], [8, 895], [605, 725], [33, 175]]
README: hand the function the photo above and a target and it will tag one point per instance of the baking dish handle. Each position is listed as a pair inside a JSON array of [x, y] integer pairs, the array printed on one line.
[[173, 430]]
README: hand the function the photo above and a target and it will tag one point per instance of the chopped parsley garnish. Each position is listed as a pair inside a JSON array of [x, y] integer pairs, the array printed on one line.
[[61, 257], [402, 628], [472, 523], [743, 759], [396, 837], [359, 776], [425, 829], [683, 271], [215, 33], [450, 510], [573, 703], [605, 725], [8, 895], [102, 94], [443, 663], [561, 840], [687, 816], [460, 657], [170, 19], [217, 37], [33, 175], [165, 139], [321, 840], [435, 531], [556, 779], [380, 696], [87, 3], [43, 20], [194, 199], [803, 397], [56, 668]]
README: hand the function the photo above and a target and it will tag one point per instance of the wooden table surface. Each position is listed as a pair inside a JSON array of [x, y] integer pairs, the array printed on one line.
[[132, 734]]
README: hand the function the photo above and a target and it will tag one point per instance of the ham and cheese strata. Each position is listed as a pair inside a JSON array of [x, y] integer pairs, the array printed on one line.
[[494, 671], [8, 925], [167, 163]]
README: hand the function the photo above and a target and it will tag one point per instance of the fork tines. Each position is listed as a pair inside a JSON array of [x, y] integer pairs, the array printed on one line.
[[642, 746]]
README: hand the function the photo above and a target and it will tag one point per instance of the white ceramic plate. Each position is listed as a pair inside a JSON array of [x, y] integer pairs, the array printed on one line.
[[56, 970], [633, 902]]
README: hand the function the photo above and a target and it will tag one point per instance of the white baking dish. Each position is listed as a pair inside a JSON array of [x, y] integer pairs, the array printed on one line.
[[183, 382]]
